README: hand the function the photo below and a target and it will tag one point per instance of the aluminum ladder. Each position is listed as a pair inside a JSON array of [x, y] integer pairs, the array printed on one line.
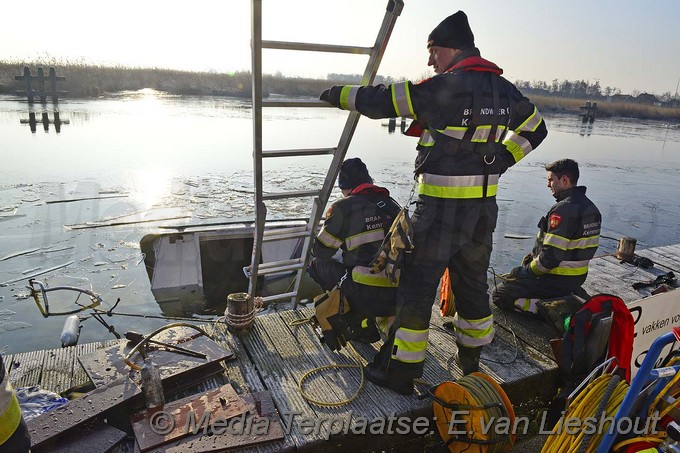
[[319, 196]]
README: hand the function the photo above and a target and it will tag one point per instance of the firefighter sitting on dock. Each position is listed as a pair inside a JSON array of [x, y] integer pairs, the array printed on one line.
[[567, 239], [357, 225]]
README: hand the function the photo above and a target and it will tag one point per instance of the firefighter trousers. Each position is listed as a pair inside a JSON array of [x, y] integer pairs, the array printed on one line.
[[447, 233]]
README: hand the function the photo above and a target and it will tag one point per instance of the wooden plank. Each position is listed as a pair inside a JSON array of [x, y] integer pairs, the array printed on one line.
[[664, 258], [106, 364], [79, 376], [50, 425], [27, 369], [343, 382], [265, 427], [93, 438], [221, 403], [240, 372], [58, 369], [605, 276]]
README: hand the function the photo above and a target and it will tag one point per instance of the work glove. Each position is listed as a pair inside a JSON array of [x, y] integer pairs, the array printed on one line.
[[331, 95], [522, 272], [397, 243], [527, 259]]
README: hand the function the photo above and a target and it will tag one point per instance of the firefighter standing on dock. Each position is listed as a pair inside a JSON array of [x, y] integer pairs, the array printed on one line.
[[473, 125]]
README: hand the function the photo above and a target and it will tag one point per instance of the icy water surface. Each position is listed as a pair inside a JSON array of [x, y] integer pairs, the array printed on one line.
[[144, 160]]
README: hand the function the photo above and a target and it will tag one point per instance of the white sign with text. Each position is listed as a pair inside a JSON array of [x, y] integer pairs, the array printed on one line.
[[654, 316]]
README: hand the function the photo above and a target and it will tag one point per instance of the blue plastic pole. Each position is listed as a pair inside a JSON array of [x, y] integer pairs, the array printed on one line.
[[636, 386]]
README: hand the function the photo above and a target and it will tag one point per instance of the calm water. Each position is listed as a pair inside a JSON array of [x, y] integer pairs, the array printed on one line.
[[178, 159]]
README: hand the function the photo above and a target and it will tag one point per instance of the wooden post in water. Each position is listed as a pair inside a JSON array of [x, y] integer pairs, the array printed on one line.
[[41, 86], [53, 85]]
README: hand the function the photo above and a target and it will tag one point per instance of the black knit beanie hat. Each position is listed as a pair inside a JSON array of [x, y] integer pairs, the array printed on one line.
[[453, 32], [353, 173]]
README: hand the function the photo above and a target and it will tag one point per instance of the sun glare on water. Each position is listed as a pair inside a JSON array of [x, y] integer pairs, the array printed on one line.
[[152, 185]]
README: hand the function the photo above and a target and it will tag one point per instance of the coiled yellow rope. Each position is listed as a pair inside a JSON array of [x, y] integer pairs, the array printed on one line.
[[601, 398]]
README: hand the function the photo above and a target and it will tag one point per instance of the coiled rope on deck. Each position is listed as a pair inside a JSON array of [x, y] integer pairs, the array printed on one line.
[[600, 398], [307, 375]]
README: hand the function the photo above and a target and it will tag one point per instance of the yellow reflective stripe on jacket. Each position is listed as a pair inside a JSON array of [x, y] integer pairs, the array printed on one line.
[[471, 186], [365, 237], [566, 268], [410, 345], [10, 413], [348, 97], [454, 132], [363, 275], [426, 139], [401, 99], [531, 123], [563, 243], [473, 332], [328, 239]]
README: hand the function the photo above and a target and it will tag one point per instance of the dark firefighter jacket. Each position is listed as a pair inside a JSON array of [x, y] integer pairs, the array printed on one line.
[[568, 236], [357, 225], [462, 118]]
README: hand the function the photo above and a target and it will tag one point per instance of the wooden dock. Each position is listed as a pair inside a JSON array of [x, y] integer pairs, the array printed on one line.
[[274, 355]]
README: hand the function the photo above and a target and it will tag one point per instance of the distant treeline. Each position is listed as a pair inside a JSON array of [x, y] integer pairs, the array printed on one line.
[[85, 80], [582, 89]]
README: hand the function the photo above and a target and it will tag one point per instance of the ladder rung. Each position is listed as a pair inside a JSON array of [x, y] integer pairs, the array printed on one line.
[[316, 47], [290, 194], [279, 266], [297, 152], [284, 236], [274, 297], [295, 103]]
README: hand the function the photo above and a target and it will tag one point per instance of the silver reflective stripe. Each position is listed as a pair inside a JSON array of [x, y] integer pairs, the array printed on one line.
[[482, 133], [366, 237], [401, 99], [328, 239], [352, 98], [456, 181], [571, 244], [531, 123], [475, 332], [410, 345], [426, 139], [527, 305], [454, 132], [518, 141], [573, 264], [475, 324], [537, 265]]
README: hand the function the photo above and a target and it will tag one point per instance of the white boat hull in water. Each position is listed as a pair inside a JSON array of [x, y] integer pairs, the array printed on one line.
[[195, 266]]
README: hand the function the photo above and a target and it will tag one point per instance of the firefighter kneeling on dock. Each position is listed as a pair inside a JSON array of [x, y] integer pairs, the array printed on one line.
[[357, 225], [567, 239]]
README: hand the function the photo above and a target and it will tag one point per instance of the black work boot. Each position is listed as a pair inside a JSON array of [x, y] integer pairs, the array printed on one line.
[[389, 381], [468, 358]]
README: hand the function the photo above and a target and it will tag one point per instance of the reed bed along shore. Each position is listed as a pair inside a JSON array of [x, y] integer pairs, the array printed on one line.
[[85, 80]]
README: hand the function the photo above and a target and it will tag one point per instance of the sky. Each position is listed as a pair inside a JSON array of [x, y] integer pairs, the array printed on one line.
[[630, 45]]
